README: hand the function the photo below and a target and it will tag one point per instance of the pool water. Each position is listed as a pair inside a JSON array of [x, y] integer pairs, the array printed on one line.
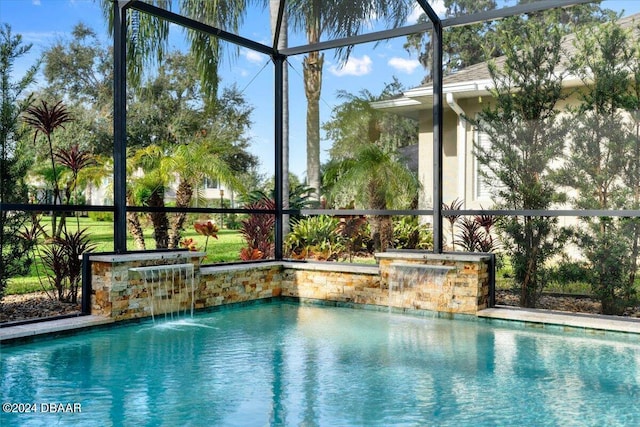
[[289, 364]]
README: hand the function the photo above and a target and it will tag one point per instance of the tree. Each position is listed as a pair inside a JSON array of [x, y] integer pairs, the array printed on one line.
[[79, 71], [472, 44], [14, 250], [462, 46], [354, 123], [526, 136], [191, 163], [338, 18], [148, 36], [45, 119], [281, 43], [632, 169], [600, 153], [373, 178]]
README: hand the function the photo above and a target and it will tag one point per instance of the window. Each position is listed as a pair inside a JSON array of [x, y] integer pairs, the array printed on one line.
[[482, 181], [211, 183]]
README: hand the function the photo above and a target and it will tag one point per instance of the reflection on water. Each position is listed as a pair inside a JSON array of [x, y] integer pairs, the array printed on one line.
[[284, 364]]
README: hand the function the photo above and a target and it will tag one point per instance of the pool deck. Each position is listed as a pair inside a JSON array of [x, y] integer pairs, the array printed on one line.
[[47, 327], [530, 317], [537, 317]]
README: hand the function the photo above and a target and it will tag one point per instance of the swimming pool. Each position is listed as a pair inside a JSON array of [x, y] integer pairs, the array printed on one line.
[[289, 364]]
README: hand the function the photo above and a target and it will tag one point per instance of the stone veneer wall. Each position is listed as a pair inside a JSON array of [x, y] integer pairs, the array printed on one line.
[[465, 287], [122, 294]]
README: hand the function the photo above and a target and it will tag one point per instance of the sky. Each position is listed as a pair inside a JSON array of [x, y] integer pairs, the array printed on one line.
[[370, 66]]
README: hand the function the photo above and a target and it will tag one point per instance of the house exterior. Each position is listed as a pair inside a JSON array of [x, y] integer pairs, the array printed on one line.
[[465, 94], [211, 192]]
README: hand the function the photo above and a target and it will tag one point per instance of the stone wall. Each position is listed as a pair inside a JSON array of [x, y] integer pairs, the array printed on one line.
[[228, 284], [344, 283], [449, 283], [120, 292]]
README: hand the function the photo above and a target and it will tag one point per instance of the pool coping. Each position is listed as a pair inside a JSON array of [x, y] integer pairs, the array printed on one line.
[[52, 327], [541, 317], [528, 317]]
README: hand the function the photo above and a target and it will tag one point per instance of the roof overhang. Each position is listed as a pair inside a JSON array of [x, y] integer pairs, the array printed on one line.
[[420, 99]]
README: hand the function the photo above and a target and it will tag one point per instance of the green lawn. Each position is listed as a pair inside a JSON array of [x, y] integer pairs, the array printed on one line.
[[224, 249]]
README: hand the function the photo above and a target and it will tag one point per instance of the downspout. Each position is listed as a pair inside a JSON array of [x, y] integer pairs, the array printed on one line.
[[461, 152]]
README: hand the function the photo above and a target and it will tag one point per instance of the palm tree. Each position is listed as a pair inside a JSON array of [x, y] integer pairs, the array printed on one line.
[[147, 188], [191, 163], [336, 18], [373, 178], [148, 37]]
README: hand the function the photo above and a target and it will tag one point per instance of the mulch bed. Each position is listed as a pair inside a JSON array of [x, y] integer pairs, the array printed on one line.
[[32, 306]]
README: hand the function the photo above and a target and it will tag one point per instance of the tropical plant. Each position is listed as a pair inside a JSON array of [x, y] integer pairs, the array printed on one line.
[[315, 237], [63, 258], [207, 229], [455, 205], [354, 232], [192, 163], [408, 233], [374, 179], [258, 230], [46, 119]]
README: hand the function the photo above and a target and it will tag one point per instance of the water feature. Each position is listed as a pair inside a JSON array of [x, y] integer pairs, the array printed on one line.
[[411, 277], [287, 364], [170, 288]]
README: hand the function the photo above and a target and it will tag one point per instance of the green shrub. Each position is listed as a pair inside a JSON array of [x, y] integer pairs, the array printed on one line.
[[409, 234], [101, 216], [315, 237]]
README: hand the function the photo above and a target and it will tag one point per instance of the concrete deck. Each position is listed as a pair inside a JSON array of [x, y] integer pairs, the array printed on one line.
[[593, 322], [51, 327], [540, 318]]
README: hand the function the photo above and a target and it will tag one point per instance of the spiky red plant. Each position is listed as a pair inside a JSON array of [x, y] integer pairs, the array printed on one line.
[[46, 119], [257, 230], [74, 158]]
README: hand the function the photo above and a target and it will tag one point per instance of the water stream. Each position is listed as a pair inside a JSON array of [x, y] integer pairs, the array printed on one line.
[[166, 286]]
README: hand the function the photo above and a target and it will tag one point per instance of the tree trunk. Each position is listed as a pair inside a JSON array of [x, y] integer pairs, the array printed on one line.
[[184, 193], [133, 224], [312, 67], [159, 219]]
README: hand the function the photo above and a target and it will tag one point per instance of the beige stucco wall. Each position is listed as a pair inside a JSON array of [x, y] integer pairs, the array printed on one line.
[[449, 159], [471, 107]]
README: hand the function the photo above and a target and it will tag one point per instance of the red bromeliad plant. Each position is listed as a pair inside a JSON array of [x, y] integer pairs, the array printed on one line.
[[248, 254], [208, 229], [189, 244], [257, 231]]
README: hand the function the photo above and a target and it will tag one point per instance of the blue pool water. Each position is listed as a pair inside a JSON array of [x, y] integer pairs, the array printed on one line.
[[287, 364]]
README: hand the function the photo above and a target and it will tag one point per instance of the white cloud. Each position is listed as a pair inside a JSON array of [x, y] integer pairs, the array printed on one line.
[[41, 37], [353, 67], [407, 66], [437, 6], [253, 56], [36, 2]]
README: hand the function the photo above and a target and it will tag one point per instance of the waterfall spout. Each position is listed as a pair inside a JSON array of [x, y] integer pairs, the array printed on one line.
[[170, 289]]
